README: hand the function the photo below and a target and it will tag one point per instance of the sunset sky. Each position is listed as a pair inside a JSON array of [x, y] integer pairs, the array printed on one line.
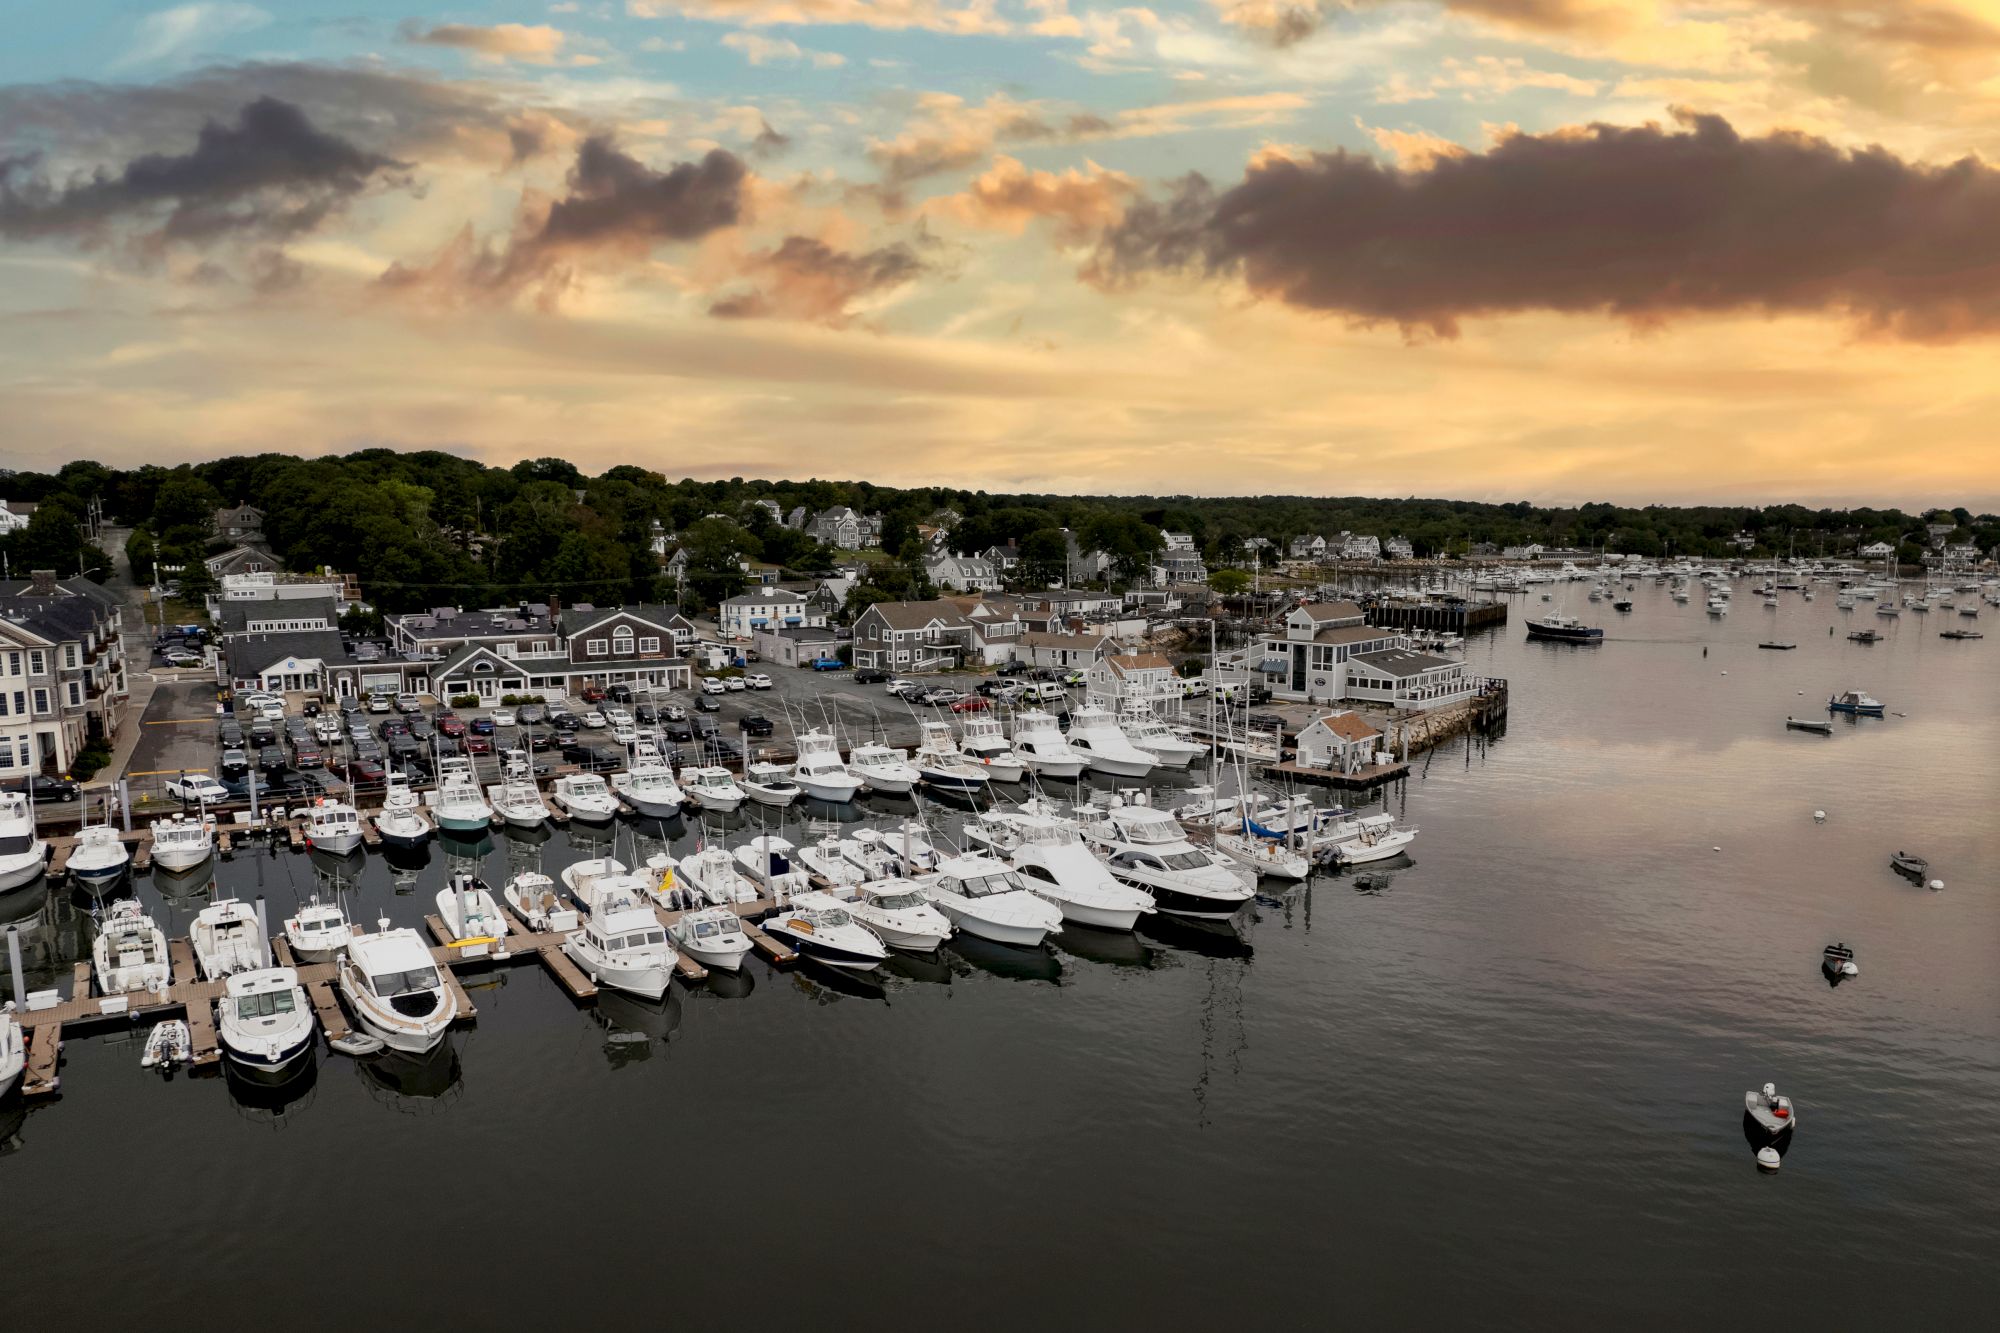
[[1552, 250]]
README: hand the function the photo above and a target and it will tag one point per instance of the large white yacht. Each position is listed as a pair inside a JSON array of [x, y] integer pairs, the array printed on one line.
[[333, 826], [265, 1023], [1169, 748], [820, 926], [648, 785], [1040, 745], [1095, 734], [1146, 848], [584, 796], [940, 764], [130, 952], [819, 771], [400, 821], [982, 742], [983, 897], [1053, 861], [22, 851], [712, 787], [226, 939], [882, 769], [395, 990], [182, 842], [623, 945], [898, 912], [458, 805]]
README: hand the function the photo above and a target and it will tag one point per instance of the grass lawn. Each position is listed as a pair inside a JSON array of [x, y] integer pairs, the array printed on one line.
[[175, 612]]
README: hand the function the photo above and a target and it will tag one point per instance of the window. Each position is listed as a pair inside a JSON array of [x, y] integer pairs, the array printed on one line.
[[69, 656], [594, 648], [41, 701], [507, 650], [621, 641], [37, 663], [75, 694], [649, 644], [13, 664]]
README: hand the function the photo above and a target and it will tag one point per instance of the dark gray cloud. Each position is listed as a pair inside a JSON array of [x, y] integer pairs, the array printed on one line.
[[808, 279], [271, 174], [1645, 224]]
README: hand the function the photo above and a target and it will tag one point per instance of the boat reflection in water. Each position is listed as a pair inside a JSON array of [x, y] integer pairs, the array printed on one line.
[[416, 1084], [932, 969], [1005, 960], [730, 985], [337, 870], [825, 985], [533, 836], [184, 885], [1115, 948], [1210, 939], [464, 847], [275, 1104], [831, 812], [632, 1024], [407, 862], [26, 902], [659, 828]]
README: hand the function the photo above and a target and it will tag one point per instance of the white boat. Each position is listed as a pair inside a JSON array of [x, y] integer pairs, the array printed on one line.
[[169, 1044], [819, 770], [829, 867], [226, 940], [587, 880], [982, 742], [767, 860], [1366, 838], [939, 763], [1169, 748], [1041, 746], [265, 1023], [983, 897], [318, 932], [457, 803], [1146, 847], [819, 926], [770, 784], [99, 858], [518, 801], [1053, 861], [899, 913], [712, 787], [623, 945], [23, 853], [534, 899], [713, 937], [648, 785], [400, 821], [1268, 858], [395, 991], [1774, 1113], [881, 855], [584, 796], [1718, 606], [471, 917], [13, 1049], [882, 769], [182, 842], [1095, 734], [333, 826], [711, 874], [130, 952]]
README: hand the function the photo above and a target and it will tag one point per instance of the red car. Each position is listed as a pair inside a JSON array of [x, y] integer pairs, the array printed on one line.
[[450, 724], [479, 745], [971, 703], [591, 694]]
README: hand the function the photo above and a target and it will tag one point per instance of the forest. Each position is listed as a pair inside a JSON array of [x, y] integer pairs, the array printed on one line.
[[430, 528]]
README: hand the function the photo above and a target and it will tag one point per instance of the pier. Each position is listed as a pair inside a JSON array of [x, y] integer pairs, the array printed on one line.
[[1458, 617]]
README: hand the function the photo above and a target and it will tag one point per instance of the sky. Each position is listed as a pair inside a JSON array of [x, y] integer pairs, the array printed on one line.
[[1672, 251]]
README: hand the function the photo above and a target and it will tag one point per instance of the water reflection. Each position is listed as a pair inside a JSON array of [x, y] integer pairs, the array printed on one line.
[[824, 984], [24, 903], [184, 885], [407, 863], [272, 1103], [529, 837], [414, 1084], [1005, 960], [1211, 939], [1115, 948], [735, 985], [632, 1024]]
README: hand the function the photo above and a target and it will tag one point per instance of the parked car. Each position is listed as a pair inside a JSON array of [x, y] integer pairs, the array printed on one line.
[[262, 733], [594, 720], [900, 686], [1012, 667], [230, 734], [713, 685], [270, 759], [421, 729], [180, 657], [481, 726], [673, 712], [503, 717], [233, 763], [705, 727], [450, 724], [591, 757], [722, 750], [870, 676], [939, 694], [828, 664], [707, 703], [566, 722], [756, 724], [308, 756], [409, 703], [1071, 677], [531, 715], [971, 703], [734, 683], [678, 729], [542, 740], [591, 694], [624, 733], [379, 703], [40, 787], [479, 745], [349, 706], [646, 715], [620, 694], [366, 773]]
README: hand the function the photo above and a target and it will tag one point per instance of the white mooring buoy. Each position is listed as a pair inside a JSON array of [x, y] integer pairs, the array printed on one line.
[[1819, 816], [1768, 1159], [1937, 884], [1715, 849]]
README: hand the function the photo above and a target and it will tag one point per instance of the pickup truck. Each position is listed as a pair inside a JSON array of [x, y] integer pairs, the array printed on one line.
[[196, 787]]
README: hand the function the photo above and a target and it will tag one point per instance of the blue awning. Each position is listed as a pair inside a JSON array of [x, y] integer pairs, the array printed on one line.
[[794, 620], [760, 620], [1274, 666]]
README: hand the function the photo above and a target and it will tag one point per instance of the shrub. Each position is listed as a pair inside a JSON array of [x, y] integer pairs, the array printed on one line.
[[88, 761], [465, 701]]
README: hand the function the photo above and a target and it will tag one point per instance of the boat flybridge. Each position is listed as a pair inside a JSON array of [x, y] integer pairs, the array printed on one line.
[[1052, 859], [982, 742], [457, 802], [1040, 745], [648, 785], [516, 798], [941, 765], [226, 939], [400, 821], [1095, 734], [1146, 847], [395, 990], [882, 768], [819, 771]]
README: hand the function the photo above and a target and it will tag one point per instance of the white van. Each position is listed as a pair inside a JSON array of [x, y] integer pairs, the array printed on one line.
[[1042, 690]]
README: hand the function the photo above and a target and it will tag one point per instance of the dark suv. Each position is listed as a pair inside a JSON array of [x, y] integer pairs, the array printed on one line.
[[870, 676], [41, 788], [756, 724]]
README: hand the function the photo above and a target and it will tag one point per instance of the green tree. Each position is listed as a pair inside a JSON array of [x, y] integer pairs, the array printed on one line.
[[1230, 582]]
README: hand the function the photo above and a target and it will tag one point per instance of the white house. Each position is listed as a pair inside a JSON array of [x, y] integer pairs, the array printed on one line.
[[1531, 551], [1309, 547], [913, 636], [963, 573], [1877, 551], [1398, 548], [1338, 742], [741, 615], [1406, 679], [1123, 680], [1361, 546]]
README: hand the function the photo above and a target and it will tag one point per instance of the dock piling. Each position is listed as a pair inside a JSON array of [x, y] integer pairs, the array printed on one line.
[[14, 967]]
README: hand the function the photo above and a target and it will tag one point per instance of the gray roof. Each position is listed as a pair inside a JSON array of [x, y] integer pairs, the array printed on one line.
[[476, 624], [580, 618], [84, 588], [917, 615], [251, 654], [1402, 662], [53, 618], [233, 616]]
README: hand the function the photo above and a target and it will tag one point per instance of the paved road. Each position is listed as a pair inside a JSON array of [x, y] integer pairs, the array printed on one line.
[[176, 732]]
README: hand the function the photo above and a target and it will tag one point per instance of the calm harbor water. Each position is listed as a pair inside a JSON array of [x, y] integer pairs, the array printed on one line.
[[1502, 1088]]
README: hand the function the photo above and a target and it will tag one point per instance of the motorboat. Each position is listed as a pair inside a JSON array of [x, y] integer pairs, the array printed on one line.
[[1040, 745], [1864, 636], [1053, 860], [226, 939], [623, 945], [1169, 748], [1774, 1113], [711, 874], [905, 851], [939, 763], [584, 796], [1146, 848], [1854, 701], [1838, 961], [1817, 726], [587, 880], [897, 911], [130, 952], [712, 787], [1095, 734], [13, 1049], [1568, 629], [829, 867], [1367, 838], [168, 1045], [457, 802], [1718, 606], [318, 932], [23, 853], [182, 842], [982, 742], [819, 771], [99, 858], [333, 827], [713, 937], [533, 897], [985, 897], [265, 1023], [648, 785], [1775, 646], [882, 768], [767, 860], [770, 784], [400, 822], [820, 926], [1942, 634], [1910, 865], [1621, 604], [515, 797], [471, 917], [395, 990]]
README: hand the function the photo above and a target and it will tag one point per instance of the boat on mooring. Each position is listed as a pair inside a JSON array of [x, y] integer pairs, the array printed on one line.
[[1564, 629], [1856, 702], [1838, 961], [1773, 1112], [819, 926], [1817, 726], [1910, 865]]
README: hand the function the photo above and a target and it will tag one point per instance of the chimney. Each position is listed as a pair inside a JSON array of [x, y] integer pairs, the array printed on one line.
[[555, 607], [42, 583]]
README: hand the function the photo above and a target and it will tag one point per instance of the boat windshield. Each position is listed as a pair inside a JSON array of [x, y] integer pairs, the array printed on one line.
[[831, 917], [708, 930], [1191, 859], [982, 886], [270, 1004], [1048, 835], [898, 902], [388, 985], [638, 939], [13, 844], [1151, 829]]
